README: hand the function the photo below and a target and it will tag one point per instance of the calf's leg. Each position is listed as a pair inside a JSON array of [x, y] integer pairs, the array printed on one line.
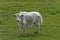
[[37, 25]]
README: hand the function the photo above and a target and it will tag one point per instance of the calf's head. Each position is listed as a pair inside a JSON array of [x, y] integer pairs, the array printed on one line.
[[19, 18]]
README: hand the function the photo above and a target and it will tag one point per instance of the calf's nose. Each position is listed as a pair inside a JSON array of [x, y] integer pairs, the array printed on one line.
[[17, 20]]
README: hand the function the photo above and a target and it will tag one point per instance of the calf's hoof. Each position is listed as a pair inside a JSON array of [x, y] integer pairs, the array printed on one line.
[[36, 33]]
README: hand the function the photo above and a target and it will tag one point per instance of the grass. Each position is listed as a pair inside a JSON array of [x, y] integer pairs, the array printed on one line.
[[29, 0], [50, 10]]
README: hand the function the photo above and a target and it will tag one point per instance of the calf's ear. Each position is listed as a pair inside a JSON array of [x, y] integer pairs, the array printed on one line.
[[22, 15], [14, 15]]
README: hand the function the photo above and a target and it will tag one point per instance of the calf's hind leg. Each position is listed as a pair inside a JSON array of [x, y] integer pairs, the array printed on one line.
[[37, 25]]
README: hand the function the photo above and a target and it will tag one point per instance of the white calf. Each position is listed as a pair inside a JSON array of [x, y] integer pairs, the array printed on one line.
[[26, 19]]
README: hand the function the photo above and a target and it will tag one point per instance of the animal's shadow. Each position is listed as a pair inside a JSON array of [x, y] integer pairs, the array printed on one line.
[[32, 35]]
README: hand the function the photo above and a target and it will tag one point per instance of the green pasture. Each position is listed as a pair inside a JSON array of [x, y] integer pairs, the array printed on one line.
[[49, 9]]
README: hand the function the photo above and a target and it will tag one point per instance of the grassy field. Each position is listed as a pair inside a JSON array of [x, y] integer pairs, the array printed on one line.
[[50, 10]]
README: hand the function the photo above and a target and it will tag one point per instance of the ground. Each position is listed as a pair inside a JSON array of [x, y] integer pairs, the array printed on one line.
[[49, 9]]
